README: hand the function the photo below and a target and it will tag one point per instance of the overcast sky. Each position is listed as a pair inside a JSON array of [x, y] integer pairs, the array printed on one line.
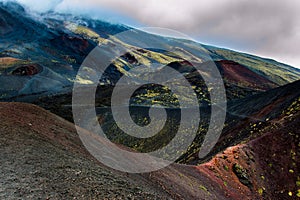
[[268, 28]]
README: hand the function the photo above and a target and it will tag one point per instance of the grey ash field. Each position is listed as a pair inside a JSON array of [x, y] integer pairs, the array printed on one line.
[[42, 157]]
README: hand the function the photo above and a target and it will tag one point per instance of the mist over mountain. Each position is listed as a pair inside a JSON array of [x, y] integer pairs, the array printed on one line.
[[268, 29], [57, 44]]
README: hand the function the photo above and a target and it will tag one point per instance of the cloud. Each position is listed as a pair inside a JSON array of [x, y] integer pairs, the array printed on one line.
[[268, 28], [43, 6]]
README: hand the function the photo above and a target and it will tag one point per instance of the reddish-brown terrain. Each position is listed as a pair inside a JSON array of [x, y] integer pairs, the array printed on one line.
[[262, 165], [264, 168], [239, 74], [19, 67], [8, 60], [42, 155]]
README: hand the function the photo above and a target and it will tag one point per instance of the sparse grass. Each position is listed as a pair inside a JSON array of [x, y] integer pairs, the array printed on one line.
[[226, 167], [86, 32], [202, 187], [225, 183], [260, 191], [298, 193]]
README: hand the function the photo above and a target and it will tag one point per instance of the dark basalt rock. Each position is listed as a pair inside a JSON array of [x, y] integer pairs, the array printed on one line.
[[242, 175], [27, 70], [130, 58]]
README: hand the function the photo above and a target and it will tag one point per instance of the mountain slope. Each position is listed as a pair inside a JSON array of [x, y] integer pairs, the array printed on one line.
[[274, 71], [265, 166], [257, 156], [58, 44], [248, 118], [42, 156]]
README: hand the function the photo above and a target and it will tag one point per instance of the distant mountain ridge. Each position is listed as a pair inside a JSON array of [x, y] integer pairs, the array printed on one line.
[[42, 156], [59, 43]]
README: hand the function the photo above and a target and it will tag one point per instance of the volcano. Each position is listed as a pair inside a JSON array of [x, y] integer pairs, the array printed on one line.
[[42, 156]]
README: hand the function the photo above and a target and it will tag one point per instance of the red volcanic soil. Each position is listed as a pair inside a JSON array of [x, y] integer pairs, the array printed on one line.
[[239, 74], [42, 156], [22, 67], [264, 168], [185, 62], [27, 70], [76, 44], [8, 60]]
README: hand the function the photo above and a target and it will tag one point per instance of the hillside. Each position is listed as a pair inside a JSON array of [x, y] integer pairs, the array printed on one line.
[[42, 156], [266, 164], [41, 56], [251, 117]]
